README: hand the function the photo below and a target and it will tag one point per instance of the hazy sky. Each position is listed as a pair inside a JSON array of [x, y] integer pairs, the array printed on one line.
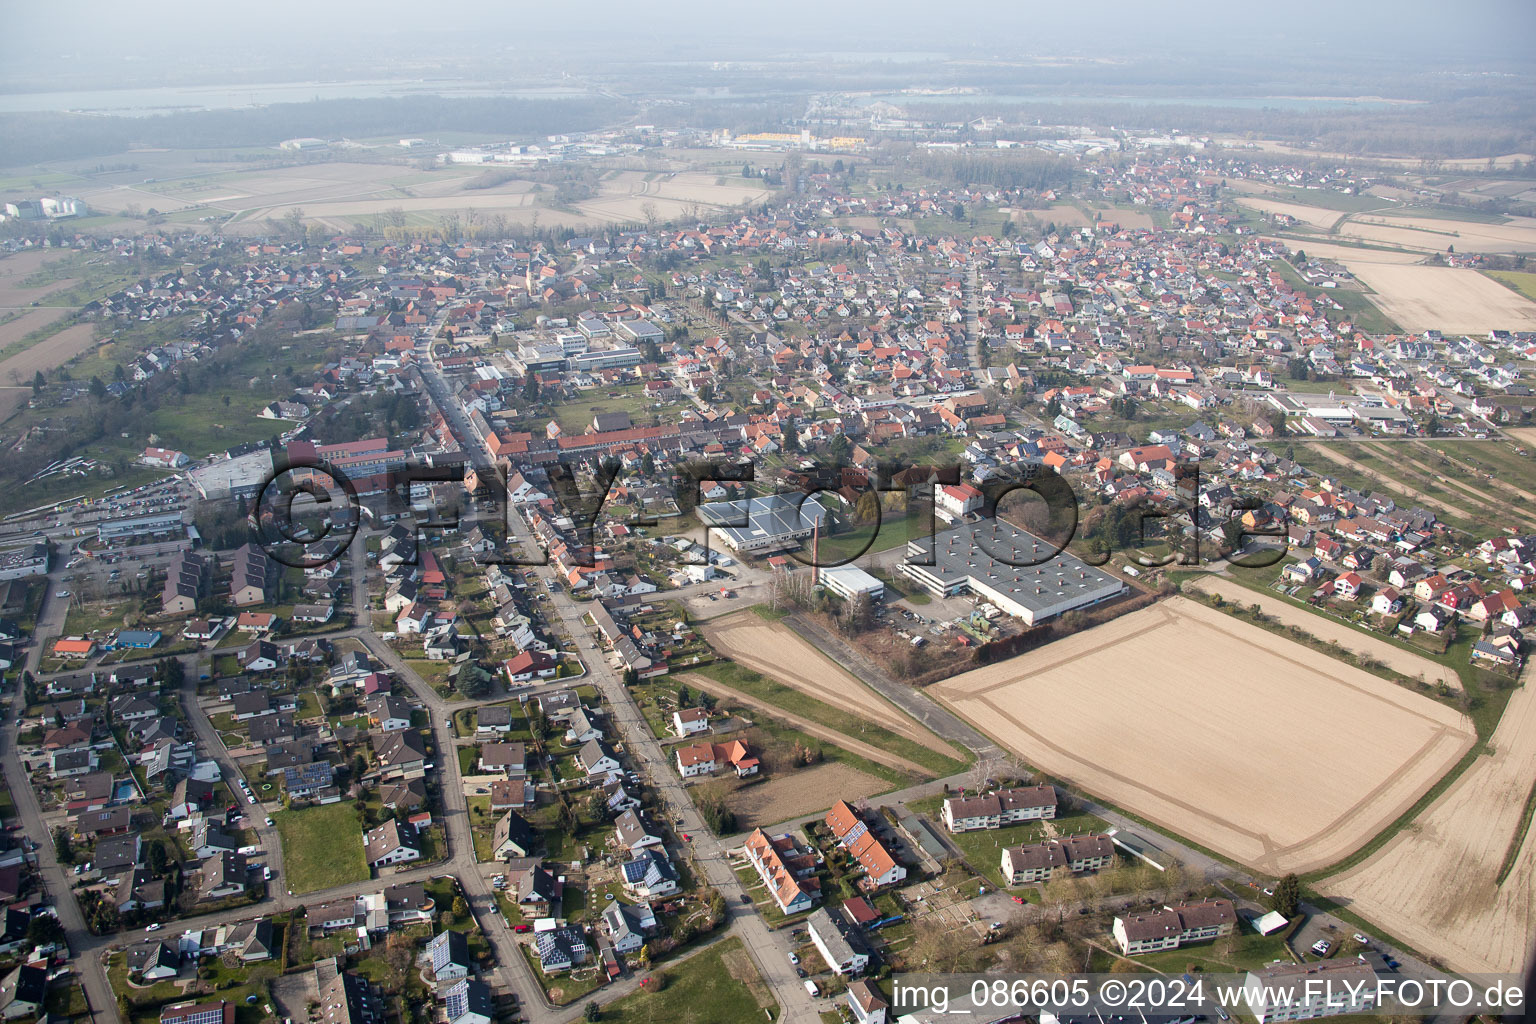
[[285, 32]]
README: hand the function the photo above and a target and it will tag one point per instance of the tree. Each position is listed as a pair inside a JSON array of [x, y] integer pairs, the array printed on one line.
[[460, 907], [593, 1012], [45, 930], [531, 387], [1287, 896], [62, 846], [38, 383]]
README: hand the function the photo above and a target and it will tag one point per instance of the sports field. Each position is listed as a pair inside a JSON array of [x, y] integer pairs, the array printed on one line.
[[1247, 743]]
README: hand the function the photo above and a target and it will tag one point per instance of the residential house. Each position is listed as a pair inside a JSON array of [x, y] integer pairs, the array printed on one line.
[[448, 955], [1038, 862], [513, 837], [506, 758], [838, 942], [390, 843], [560, 949], [223, 874], [1004, 807], [635, 832], [864, 998], [690, 722], [1174, 926], [650, 875], [786, 868]]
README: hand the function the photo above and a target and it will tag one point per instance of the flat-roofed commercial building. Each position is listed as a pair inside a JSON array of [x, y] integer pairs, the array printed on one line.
[[158, 524], [769, 523], [993, 559], [849, 581]]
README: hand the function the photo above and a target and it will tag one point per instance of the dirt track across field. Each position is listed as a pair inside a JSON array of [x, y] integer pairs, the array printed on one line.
[[805, 725], [778, 652], [1216, 729], [1434, 885], [1327, 629]]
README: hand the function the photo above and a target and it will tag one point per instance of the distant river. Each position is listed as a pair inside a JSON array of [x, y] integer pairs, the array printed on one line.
[[1244, 102], [168, 99]]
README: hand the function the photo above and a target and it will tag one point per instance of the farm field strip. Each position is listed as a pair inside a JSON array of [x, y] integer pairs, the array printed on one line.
[[812, 728], [1316, 216], [1497, 481], [1140, 711], [17, 268], [1327, 452], [1340, 253], [1487, 505], [1436, 234], [774, 650], [1327, 629], [49, 354], [1434, 884], [1443, 298]]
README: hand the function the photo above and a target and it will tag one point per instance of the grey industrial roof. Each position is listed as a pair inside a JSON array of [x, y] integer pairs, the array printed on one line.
[[773, 515], [998, 554]]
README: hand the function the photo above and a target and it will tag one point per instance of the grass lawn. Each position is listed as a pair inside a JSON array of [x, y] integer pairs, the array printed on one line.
[[719, 984], [895, 528], [94, 616], [1241, 952], [576, 415], [322, 846]]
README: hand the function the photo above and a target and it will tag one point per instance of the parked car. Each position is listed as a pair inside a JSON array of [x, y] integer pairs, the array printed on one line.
[[153, 927], [794, 958], [1321, 947], [270, 822], [1362, 939], [520, 928]]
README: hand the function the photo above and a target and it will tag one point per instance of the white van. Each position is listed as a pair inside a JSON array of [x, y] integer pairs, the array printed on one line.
[[810, 986]]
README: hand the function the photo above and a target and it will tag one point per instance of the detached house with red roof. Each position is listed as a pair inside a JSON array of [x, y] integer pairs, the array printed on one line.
[[708, 758]]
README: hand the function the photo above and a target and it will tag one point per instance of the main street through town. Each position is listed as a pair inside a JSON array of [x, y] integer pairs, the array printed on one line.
[[768, 948]]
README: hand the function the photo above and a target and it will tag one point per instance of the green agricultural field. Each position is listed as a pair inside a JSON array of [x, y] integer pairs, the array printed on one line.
[[322, 847], [1524, 283]]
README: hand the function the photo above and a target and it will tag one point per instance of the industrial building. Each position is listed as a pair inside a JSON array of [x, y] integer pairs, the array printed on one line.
[[770, 523], [991, 559], [849, 581]]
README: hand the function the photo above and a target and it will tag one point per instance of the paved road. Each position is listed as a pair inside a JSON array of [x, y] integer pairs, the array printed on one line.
[[768, 949]]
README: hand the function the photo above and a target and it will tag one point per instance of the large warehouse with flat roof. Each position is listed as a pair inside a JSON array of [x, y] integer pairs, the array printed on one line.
[[769, 523], [977, 557]]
